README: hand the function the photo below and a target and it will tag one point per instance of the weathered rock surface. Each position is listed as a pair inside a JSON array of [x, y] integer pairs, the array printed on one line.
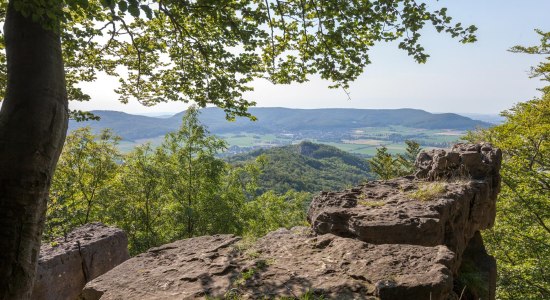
[[475, 161], [285, 263], [386, 212], [65, 266], [181, 270], [458, 189], [374, 241]]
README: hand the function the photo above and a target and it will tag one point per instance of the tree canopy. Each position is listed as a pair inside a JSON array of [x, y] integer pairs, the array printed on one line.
[[386, 166], [209, 51]]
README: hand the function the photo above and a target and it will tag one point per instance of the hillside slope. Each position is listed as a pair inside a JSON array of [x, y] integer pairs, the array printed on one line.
[[275, 120], [307, 167]]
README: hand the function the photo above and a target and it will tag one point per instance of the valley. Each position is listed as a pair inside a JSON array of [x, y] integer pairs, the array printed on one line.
[[358, 131], [362, 142]]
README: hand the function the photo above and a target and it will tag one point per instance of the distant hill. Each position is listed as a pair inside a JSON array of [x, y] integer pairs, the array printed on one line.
[[490, 118], [277, 119], [129, 127], [274, 120], [307, 167]]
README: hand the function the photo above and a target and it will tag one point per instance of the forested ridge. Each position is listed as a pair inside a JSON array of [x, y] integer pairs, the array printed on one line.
[[178, 190], [183, 188], [306, 167]]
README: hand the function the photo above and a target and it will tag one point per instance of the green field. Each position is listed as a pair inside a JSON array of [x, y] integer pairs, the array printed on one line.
[[249, 139], [369, 149], [362, 141]]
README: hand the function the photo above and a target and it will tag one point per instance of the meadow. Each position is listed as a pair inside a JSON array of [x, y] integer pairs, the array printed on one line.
[[360, 141]]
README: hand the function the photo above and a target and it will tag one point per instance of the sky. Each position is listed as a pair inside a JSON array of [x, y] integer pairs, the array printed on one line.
[[482, 78]]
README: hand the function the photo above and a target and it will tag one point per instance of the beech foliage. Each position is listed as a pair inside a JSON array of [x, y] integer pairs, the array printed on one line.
[[209, 51]]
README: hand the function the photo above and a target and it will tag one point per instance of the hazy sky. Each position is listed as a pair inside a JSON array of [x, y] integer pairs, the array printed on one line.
[[476, 78]]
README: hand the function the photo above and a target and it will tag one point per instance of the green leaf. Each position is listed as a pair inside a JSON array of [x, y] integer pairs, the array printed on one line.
[[147, 10], [123, 6], [133, 9]]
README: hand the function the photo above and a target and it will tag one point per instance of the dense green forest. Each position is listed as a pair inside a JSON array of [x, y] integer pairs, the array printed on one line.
[[307, 167]]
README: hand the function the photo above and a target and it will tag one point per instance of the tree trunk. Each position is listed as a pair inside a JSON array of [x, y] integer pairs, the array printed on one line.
[[33, 125]]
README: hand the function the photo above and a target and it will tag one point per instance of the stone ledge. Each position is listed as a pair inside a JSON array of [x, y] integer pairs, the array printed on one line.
[[66, 265]]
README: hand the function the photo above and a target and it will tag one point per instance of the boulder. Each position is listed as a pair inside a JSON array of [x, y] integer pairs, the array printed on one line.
[[418, 210], [472, 161], [67, 264]]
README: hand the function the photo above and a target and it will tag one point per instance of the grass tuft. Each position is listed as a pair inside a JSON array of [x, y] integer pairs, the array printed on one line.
[[371, 203], [429, 191]]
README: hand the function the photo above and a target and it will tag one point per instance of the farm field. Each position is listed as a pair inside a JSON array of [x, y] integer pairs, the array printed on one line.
[[361, 141]]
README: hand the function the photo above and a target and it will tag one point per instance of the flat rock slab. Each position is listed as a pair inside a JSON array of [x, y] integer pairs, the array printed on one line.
[[285, 263], [185, 269], [66, 265]]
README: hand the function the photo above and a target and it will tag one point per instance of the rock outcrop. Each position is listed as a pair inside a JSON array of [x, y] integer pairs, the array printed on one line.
[[389, 212], [414, 237], [66, 265], [451, 197]]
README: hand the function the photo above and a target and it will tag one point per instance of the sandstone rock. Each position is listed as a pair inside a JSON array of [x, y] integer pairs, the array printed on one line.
[[449, 212], [385, 212], [65, 266], [285, 263], [184, 269], [473, 161]]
